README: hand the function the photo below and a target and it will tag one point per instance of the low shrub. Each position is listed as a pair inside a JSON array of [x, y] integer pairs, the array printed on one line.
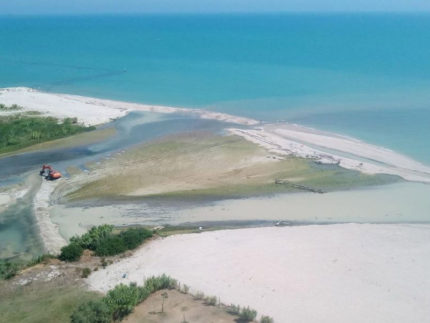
[[134, 237], [210, 300], [40, 259], [266, 319], [154, 284], [199, 296], [71, 252], [121, 300], [8, 269], [185, 289], [92, 312], [92, 238], [233, 309], [102, 240], [247, 314], [86, 272], [110, 246]]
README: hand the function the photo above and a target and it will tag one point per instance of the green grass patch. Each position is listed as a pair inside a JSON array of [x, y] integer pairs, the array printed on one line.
[[44, 303]]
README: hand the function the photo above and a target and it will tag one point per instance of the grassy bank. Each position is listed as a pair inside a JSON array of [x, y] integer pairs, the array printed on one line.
[[18, 131], [47, 302]]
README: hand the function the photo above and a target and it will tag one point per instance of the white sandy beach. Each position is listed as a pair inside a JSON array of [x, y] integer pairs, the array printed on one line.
[[333, 273], [92, 111]]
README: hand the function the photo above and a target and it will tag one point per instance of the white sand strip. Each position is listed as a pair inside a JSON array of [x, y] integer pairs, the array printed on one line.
[[49, 231], [330, 148], [92, 111], [333, 273]]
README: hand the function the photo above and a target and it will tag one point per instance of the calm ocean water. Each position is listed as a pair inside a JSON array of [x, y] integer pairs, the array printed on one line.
[[362, 75]]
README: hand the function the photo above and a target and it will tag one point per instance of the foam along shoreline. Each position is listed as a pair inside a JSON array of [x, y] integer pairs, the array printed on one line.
[[331, 273], [328, 148], [92, 111]]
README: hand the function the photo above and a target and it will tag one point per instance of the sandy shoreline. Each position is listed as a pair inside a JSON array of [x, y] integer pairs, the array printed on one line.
[[328, 148], [93, 111], [48, 231], [332, 273]]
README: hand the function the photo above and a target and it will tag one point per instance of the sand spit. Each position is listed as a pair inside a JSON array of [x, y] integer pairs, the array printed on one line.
[[92, 111], [49, 232], [332, 273], [327, 148]]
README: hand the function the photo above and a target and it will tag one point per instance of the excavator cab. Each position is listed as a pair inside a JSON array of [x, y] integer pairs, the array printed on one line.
[[49, 173]]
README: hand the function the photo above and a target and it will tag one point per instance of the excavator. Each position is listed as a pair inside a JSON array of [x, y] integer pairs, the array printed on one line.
[[49, 173]]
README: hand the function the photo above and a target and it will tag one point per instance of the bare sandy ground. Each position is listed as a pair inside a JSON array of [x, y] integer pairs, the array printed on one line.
[[92, 111], [333, 273], [178, 307]]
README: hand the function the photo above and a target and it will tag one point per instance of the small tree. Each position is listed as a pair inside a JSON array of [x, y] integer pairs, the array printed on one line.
[[92, 312], [247, 314], [164, 296], [72, 252]]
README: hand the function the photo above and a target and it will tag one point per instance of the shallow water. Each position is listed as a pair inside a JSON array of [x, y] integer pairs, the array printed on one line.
[[18, 233], [135, 128], [394, 203]]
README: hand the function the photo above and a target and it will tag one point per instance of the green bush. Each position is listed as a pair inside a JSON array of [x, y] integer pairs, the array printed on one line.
[[247, 314], [210, 300], [134, 237], [92, 238], [110, 246], [154, 284], [92, 312], [266, 319], [122, 299], [86, 272], [101, 240], [234, 309], [8, 269], [71, 252]]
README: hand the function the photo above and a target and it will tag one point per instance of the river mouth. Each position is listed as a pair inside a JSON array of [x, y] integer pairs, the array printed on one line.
[[240, 205], [19, 234]]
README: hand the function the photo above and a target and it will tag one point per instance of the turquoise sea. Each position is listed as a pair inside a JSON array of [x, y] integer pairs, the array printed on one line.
[[366, 76]]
